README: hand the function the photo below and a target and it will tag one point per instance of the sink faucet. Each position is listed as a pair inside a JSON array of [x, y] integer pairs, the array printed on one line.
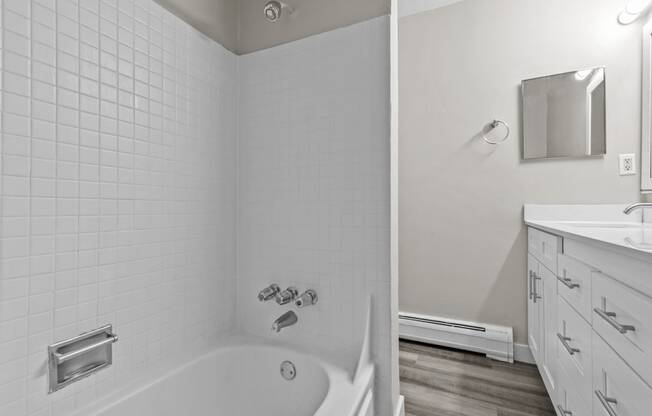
[[287, 319], [639, 205]]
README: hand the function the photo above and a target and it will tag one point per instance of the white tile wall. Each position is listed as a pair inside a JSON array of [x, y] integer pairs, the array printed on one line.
[[118, 189], [314, 188], [117, 185]]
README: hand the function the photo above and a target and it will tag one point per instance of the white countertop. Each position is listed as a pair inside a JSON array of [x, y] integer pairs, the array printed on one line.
[[600, 224]]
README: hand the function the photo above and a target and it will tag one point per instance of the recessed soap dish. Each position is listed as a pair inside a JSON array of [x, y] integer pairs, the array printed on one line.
[[80, 356]]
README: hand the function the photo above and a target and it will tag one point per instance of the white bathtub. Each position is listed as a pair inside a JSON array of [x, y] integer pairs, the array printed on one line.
[[243, 379]]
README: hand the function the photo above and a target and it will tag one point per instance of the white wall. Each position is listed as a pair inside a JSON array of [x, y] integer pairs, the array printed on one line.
[[117, 191], [314, 189], [462, 241]]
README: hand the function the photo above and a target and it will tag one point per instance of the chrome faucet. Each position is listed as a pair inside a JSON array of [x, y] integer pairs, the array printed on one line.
[[638, 205], [287, 296], [287, 319], [309, 297], [269, 292]]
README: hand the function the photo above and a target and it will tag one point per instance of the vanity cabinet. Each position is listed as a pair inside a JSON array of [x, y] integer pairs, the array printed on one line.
[[590, 325]]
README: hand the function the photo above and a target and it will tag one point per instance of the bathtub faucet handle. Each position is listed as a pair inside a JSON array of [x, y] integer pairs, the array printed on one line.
[[269, 292], [287, 296], [309, 297]]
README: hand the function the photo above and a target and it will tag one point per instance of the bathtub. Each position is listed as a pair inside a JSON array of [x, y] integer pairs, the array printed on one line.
[[243, 378]]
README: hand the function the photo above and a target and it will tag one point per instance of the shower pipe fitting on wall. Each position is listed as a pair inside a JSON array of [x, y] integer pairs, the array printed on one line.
[[274, 9]]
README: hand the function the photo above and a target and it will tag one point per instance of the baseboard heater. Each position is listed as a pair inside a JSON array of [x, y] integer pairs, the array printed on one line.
[[496, 342]]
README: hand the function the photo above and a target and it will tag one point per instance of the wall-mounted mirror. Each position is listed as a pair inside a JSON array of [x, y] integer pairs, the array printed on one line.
[[646, 142], [564, 115]]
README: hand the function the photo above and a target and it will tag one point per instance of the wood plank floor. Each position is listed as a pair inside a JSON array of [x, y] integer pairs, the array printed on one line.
[[444, 382]]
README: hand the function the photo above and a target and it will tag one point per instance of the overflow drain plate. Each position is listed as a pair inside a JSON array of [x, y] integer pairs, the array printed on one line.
[[288, 371]]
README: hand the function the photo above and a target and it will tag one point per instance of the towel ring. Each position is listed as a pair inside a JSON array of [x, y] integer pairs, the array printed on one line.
[[493, 125]]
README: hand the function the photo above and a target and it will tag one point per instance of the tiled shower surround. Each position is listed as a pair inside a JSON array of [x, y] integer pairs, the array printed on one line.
[[314, 188], [135, 153], [118, 188]]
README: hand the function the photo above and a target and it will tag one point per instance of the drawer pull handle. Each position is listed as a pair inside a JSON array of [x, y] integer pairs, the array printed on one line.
[[530, 283], [607, 402], [564, 341], [568, 282], [610, 317], [562, 411], [535, 295]]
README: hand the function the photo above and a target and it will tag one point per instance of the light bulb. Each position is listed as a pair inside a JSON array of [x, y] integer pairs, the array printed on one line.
[[636, 6], [632, 11], [625, 18]]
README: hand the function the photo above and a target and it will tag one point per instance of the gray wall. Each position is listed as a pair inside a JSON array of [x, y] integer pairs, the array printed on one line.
[[462, 241], [216, 18], [239, 25], [311, 17]]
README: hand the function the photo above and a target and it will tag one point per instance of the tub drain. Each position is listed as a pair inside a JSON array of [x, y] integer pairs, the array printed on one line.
[[288, 371]]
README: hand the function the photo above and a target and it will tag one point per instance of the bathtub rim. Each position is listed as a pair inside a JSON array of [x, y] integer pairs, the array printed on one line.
[[339, 380]]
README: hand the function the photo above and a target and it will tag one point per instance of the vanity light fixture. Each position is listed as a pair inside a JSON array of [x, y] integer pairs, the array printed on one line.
[[633, 11]]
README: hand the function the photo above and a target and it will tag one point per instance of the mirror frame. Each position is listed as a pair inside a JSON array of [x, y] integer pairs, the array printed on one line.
[[646, 111]]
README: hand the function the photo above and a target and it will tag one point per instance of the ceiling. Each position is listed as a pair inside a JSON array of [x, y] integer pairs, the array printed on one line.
[[239, 25], [217, 19]]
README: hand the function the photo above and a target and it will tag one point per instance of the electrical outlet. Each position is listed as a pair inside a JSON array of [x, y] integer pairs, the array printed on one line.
[[628, 164]]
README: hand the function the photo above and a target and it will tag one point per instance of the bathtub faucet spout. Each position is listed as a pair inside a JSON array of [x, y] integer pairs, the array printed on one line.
[[285, 320]]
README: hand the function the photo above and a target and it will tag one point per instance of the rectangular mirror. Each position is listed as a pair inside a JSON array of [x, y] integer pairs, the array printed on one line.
[[564, 115]]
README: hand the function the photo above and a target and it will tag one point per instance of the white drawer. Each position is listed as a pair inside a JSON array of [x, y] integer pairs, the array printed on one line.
[[626, 307], [631, 271], [575, 284], [568, 400], [613, 379], [574, 348], [544, 247]]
